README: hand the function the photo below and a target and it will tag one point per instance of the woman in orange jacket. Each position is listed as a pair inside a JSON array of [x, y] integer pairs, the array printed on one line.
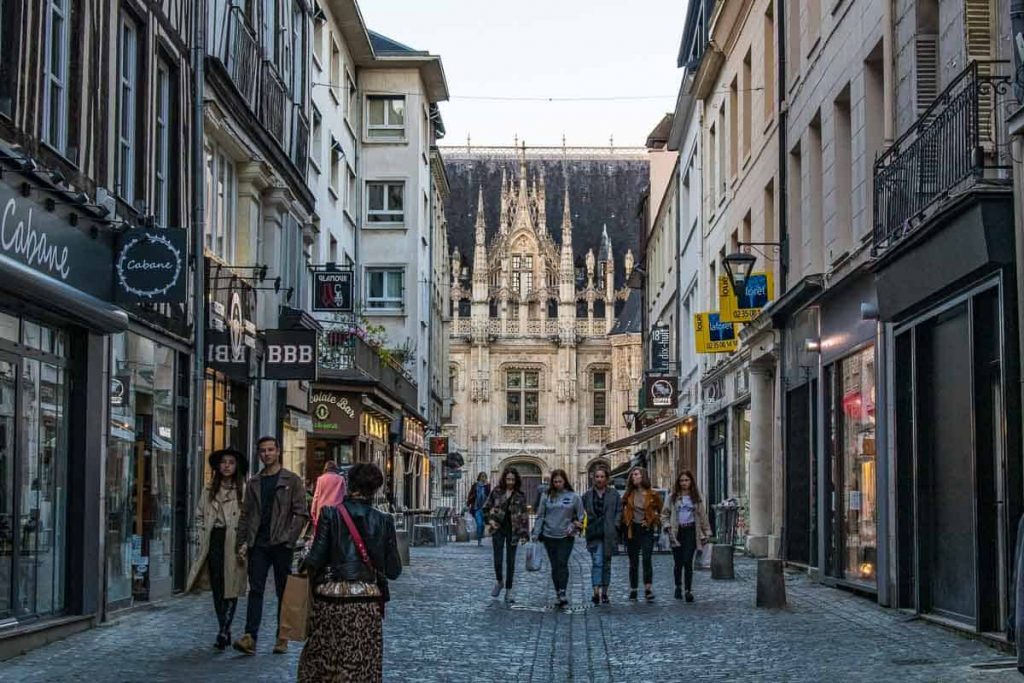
[[640, 524]]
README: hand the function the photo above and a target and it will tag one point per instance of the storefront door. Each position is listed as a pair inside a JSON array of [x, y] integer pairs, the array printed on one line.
[[801, 470], [33, 461], [718, 474]]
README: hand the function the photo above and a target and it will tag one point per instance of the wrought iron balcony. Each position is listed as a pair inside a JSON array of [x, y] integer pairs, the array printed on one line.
[[272, 99], [955, 143], [299, 151], [345, 355], [241, 55]]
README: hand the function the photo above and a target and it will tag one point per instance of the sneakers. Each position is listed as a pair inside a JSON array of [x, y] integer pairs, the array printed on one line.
[[632, 594], [496, 590], [689, 596], [563, 601], [596, 598], [246, 645], [604, 598], [648, 595], [679, 593], [280, 647]]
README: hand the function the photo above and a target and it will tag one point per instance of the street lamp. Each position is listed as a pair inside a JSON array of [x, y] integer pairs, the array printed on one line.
[[628, 418], [738, 267]]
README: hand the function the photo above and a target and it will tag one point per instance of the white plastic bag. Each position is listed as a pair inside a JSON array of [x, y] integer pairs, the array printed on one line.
[[470, 523], [533, 557]]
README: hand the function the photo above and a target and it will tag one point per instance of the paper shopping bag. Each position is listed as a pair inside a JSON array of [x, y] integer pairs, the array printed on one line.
[[295, 607]]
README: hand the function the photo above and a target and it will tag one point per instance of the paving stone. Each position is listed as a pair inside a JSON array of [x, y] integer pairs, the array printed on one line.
[[443, 627]]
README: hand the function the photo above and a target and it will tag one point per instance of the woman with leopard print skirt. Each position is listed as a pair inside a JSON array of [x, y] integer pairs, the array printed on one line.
[[354, 554]]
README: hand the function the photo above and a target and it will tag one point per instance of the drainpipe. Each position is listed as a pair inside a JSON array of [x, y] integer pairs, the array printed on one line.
[[780, 380], [196, 409]]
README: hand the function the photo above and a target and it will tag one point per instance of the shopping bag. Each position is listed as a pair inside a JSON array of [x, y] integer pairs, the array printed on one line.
[[533, 557], [470, 523], [295, 607]]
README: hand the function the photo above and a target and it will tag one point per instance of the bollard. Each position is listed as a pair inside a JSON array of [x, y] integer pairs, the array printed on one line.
[[461, 535], [403, 547], [771, 584], [721, 561]]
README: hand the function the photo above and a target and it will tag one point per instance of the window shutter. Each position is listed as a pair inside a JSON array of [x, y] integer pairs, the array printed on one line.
[[978, 26], [927, 75]]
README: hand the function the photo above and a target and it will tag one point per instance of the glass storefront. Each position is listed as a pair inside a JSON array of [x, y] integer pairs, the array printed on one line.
[[742, 484], [140, 470], [226, 416], [33, 468], [854, 462]]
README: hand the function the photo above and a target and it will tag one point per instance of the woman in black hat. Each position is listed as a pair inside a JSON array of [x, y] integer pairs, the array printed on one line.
[[218, 566]]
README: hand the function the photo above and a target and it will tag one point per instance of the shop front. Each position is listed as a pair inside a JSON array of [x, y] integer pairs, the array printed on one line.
[[724, 468], [950, 301], [411, 478], [349, 427], [55, 315]]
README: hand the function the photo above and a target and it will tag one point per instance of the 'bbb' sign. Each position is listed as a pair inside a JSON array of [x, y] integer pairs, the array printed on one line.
[[290, 354]]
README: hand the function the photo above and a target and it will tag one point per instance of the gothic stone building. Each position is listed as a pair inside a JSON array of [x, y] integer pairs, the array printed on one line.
[[545, 348]]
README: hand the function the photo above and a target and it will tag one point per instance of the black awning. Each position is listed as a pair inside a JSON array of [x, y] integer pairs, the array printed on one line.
[[74, 304]]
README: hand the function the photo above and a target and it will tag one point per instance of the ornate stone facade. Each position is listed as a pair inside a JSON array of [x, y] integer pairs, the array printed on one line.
[[545, 351]]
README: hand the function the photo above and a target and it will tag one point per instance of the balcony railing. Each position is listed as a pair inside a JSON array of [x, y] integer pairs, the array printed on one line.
[[344, 352], [241, 55], [948, 149], [299, 151], [272, 97]]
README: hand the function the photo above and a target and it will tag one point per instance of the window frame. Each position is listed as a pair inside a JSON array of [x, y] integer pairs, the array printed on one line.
[[127, 99], [162, 109], [601, 392], [386, 210], [521, 392], [52, 79], [371, 128], [316, 137], [386, 296], [221, 223]]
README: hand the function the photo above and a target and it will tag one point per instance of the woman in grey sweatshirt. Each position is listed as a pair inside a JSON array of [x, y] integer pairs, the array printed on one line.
[[559, 519]]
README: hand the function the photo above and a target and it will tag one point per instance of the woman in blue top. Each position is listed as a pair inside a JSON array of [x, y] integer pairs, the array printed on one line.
[[687, 523], [559, 519]]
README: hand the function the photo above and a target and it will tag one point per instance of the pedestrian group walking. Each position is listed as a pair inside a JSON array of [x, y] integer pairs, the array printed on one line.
[[640, 525], [688, 527], [509, 522], [602, 505], [559, 520]]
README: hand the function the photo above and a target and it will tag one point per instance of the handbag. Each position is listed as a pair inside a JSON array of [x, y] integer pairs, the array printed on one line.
[[533, 557], [294, 622], [382, 582]]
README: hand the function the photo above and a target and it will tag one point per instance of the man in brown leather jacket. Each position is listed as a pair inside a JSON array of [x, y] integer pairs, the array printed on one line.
[[273, 515]]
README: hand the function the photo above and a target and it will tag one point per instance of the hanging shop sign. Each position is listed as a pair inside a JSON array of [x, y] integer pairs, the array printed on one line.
[[335, 413], [714, 335], [150, 266], [758, 291], [290, 354], [661, 392], [231, 336], [332, 291], [660, 343], [120, 390], [46, 242], [439, 445]]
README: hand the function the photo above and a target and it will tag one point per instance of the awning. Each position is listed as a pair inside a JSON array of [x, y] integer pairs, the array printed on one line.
[[645, 434], [84, 309]]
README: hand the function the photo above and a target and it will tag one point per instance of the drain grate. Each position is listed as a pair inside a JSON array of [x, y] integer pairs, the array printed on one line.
[[1007, 664]]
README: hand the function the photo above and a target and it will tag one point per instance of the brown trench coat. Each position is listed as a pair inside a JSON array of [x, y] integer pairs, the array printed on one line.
[[235, 576]]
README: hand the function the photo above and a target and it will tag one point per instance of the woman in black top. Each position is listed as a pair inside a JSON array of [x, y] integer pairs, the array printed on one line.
[[509, 522], [349, 574]]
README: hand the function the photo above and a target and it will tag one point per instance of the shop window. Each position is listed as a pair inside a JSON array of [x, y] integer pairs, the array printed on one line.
[[163, 178], [385, 117], [128, 94], [220, 203], [599, 385], [854, 466], [522, 397]]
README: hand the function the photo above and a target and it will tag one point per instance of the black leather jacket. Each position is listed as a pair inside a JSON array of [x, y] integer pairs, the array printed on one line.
[[333, 555]]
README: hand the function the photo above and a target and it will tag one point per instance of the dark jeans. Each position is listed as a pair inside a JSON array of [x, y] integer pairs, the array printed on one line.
[[639, 545], [559, 551], [225, 609], [261, 559], [504, 544], [683, 553]]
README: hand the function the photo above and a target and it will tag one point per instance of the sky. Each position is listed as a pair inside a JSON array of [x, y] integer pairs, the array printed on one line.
[[621, 49]]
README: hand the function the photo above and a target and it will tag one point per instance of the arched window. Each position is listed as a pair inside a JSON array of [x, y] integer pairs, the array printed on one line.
[[599, 309], [552, 308]]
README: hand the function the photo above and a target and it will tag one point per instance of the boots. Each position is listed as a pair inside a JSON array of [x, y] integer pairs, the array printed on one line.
[[227, 616]]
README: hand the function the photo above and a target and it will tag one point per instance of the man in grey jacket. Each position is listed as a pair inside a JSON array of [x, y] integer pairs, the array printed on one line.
[[273, 515], [603, 505]]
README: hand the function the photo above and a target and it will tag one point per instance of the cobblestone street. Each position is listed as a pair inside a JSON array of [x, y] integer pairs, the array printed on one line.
[[443, 626]]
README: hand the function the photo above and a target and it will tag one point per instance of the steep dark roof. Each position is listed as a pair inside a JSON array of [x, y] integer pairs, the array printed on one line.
[[601, 191], [382, 45], [629, 319]]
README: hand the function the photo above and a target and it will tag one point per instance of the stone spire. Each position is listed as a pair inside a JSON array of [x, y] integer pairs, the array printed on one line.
[[523, 189], [542, 205], [480, 250], [566, 272], [503, 221]]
